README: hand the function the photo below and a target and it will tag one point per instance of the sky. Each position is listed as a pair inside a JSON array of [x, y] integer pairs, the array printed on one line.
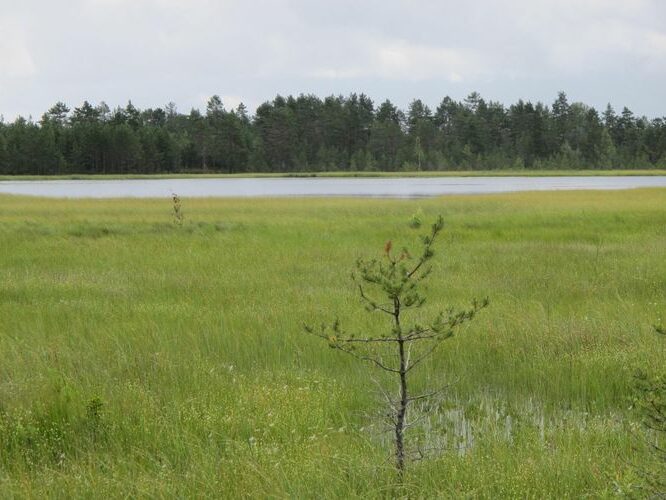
[[157, 51]]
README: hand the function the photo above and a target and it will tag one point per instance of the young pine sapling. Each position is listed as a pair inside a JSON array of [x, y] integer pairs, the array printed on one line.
[[178, 216], [392, 286]]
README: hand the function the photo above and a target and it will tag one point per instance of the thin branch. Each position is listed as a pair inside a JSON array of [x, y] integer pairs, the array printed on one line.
[[333, 340], [418, 266], [366, 358], [423, 356], [425, 396], [408, 425], [421, 335], [373, 303], [366, 340], [389, 399], [433, 393]]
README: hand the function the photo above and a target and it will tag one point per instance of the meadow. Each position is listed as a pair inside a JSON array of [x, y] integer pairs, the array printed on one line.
[[142, 358]]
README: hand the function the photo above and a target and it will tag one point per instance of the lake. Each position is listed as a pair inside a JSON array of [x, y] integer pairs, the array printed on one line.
[[385, 187]]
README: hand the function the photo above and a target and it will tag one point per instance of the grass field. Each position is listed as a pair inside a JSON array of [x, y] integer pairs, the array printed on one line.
[[143, 359], [424, 173]]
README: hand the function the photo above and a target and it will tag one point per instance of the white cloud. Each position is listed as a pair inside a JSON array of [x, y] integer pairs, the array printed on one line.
[[656, 45], [15, 58], [404, 60], [607, 44], [154, 51], [396, 59], [578, 36]]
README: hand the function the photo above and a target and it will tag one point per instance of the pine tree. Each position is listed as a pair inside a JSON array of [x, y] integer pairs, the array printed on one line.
[[393, 286]]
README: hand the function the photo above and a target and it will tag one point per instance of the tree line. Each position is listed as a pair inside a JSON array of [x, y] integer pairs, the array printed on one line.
[[337, 133]]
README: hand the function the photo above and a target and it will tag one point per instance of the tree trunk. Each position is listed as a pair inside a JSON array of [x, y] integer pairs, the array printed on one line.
[[402, 408]]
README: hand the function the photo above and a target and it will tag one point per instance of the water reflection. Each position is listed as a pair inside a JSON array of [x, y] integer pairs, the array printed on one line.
[[404, 187]]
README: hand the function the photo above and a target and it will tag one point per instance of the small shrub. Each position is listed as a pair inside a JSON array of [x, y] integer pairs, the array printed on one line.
[[393, 286], [416, 220], [178, 216]]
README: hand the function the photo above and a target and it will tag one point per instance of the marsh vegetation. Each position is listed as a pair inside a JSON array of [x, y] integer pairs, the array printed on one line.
[[139, 357]]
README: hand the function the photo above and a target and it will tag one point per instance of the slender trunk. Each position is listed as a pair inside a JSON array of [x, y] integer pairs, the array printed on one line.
[[402, 408]]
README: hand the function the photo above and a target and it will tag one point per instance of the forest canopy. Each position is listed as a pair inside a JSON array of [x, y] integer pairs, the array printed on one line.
[[308, 134]]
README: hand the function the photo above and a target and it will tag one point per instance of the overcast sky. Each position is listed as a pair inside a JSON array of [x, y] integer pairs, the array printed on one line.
[[156, 51]]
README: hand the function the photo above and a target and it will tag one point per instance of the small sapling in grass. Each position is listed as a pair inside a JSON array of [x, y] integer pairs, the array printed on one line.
[[393, 286], [416, 220], [178, 216], [94, 417]]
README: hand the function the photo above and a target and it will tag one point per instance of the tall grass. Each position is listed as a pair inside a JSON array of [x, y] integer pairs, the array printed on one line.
[[140, 358]]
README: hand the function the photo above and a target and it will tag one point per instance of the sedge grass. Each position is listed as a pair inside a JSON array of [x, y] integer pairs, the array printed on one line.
[[142, 358]]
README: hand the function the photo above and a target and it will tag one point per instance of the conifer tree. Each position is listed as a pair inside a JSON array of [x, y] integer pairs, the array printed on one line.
[[393, 286]]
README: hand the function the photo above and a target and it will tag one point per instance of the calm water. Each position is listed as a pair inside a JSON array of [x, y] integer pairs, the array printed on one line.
[[358, 187]]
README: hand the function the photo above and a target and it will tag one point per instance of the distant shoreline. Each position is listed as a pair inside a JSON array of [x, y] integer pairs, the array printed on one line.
[[426, 173]]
